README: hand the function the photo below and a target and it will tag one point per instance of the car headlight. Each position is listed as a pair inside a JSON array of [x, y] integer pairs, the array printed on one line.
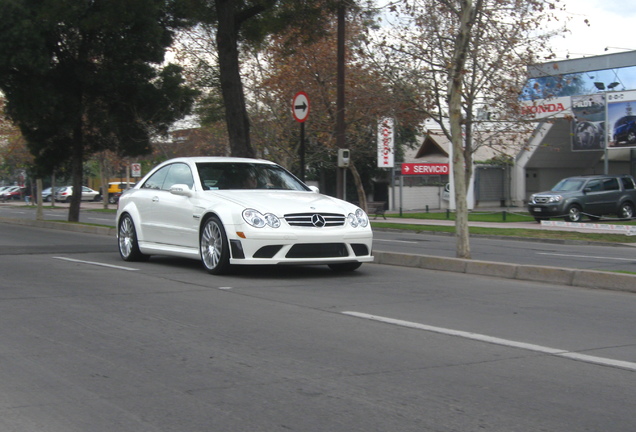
[[259, 220], [555, 198], [359, 218]]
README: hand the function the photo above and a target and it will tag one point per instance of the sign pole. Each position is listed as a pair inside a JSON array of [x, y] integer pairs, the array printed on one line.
[[302, 152], [300, 111]]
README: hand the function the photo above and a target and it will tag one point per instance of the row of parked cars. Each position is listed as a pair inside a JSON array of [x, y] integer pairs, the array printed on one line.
[[10, 193], [64, 193]]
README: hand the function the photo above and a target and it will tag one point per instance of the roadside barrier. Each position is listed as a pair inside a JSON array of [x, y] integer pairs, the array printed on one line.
[[629, 230]]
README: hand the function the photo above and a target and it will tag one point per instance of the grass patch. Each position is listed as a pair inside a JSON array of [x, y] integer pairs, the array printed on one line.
[[498, 216], [472, 216], [102, 210]]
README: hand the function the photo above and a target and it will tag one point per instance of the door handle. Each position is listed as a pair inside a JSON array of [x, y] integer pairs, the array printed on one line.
[[155, 199]]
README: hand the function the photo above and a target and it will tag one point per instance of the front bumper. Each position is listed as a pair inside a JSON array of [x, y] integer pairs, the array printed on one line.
[[311, 246], [546, 210]]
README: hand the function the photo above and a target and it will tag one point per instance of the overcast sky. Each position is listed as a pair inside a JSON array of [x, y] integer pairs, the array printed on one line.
[[611, 26]]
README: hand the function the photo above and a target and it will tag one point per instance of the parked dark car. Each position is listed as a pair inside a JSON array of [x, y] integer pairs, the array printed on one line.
[[625, 130], [592, 196]]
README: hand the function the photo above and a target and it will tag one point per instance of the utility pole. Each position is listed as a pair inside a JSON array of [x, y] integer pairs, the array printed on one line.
[[340, 103]]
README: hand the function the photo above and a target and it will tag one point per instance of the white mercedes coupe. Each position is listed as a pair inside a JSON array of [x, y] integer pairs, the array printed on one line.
[[232, 211]]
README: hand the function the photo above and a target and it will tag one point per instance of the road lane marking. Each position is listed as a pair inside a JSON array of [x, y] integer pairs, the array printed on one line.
[[585, 256], [96, 263], [498, 341]]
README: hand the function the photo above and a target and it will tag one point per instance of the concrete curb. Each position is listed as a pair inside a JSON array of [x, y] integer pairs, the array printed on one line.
[[553, 275]]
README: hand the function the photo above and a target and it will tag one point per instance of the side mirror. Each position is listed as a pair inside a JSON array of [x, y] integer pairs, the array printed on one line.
[[314, 189], [181, 190]]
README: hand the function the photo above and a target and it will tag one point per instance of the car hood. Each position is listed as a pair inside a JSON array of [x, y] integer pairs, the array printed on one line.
[[282, 202], [562, 193]]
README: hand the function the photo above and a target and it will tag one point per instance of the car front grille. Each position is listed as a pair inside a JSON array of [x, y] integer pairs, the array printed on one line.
[[541, 199], [317, 220], [318, 250]]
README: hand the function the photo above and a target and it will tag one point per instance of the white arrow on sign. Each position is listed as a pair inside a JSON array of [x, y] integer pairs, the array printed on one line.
[[300, 107]]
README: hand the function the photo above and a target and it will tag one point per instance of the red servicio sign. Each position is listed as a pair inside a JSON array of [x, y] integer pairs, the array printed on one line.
[[425, 169]]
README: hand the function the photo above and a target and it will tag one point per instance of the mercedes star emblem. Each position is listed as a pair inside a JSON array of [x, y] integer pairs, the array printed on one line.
[[318, 221]]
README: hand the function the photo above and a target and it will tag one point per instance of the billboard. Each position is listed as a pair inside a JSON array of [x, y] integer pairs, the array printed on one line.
[[557, 107], [588, 125], [621, 119]]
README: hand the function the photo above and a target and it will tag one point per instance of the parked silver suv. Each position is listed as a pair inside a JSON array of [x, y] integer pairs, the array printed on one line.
[[592, 196]]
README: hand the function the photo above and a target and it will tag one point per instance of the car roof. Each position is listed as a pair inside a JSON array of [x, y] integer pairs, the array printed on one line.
[[217, 159], [598, 176]]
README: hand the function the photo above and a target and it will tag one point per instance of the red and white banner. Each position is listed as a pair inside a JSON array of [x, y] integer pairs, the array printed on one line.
[[386, 142], [425, 169]]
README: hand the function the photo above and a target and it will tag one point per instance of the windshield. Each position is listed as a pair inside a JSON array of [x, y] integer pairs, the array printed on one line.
[[567, 185], [239, 175]]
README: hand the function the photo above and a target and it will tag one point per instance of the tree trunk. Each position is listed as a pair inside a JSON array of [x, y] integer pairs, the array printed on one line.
[[455, 114], [104, 175], [362, 197], [238, 125], [77, 171], [39, 214]]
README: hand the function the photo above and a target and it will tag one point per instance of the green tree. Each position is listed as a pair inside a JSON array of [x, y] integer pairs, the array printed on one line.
[[84, 76], [292, 66], [234, 26], [453, 58]]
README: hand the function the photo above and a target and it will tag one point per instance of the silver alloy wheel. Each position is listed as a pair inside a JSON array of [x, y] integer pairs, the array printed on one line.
[[627, 211], [126, 237], [213, 247], [127, 240], [574, 214]]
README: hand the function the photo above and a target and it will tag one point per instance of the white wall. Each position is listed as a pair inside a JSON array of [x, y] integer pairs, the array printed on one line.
[[418, 198]]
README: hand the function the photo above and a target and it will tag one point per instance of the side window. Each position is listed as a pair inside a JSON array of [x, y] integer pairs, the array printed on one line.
[[610, 184], [594, 185], [179, 174], [628, 183], [156, 180]]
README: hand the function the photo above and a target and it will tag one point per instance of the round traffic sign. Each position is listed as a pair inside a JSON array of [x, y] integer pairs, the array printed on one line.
[[300, 107]]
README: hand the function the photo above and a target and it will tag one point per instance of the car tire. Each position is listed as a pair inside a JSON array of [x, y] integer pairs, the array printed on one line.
[[345, 267], [127, 242], [573, 214], [214, 246], [631, 137], [626, 211]]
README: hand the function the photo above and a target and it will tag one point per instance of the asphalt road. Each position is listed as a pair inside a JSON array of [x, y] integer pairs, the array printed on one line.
[[91, 343], [604, 257]]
